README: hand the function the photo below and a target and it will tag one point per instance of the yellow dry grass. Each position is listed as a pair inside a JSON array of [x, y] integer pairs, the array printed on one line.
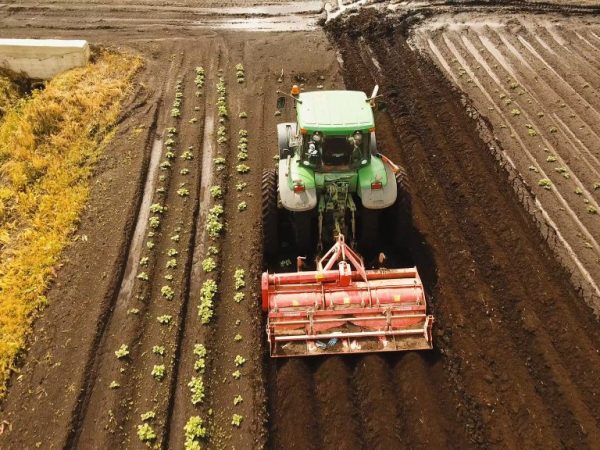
[[9, 94], [48, 146]]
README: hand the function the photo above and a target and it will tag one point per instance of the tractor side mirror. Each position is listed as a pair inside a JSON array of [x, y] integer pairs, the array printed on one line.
[[280, 102]]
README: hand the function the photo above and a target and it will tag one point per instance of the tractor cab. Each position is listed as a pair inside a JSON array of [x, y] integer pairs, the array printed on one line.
[[330, 153], [335, 130]]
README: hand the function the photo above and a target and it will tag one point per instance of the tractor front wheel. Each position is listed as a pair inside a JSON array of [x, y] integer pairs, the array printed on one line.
[[270, 213]]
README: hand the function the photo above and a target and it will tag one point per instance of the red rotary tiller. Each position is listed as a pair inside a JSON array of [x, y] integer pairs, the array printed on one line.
[[345, 309]]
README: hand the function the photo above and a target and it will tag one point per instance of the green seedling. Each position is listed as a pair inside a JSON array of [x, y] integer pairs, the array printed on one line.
[[551, 158], [171, 263], [545, 183], [209, 264], [237, 420], [148, 416], [236, 375], [237, 400], [144, 261], [172, 252], [167, 292], [157, 208], [114, 385], [145, 433], [158, 350], [165, 319], [239, 360], [194, 431], [200, 350], [122, 352], [241, 186], [530, 130], [238, 297], [158, 371], [212, 250], [154, 222], [237, 337], [216, 192], [207, 294], [242, 206], [196, 386], [183, 192], [242, 168], [142, 276], [238, 277]]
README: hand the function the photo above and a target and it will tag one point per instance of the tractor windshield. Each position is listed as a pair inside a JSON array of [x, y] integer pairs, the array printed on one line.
[[330, 152]]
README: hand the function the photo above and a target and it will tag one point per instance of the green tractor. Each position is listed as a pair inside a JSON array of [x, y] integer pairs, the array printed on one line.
[[331, 179]]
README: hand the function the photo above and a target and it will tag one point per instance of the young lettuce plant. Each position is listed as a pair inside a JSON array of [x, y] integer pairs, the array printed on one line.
[[194, 431]]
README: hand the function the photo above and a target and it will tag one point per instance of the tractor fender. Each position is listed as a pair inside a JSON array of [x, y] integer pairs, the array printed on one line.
[[290, 200], [284, 131], [380, 198]]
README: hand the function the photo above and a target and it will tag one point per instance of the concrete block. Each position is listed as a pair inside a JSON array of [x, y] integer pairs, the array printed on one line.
[[42, 58]]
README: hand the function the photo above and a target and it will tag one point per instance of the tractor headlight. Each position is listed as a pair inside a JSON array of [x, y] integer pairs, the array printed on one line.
[[316, 137], [357, 137]]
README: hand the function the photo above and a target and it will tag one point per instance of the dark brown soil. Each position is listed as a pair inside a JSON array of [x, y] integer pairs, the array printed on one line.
[[520, 349]]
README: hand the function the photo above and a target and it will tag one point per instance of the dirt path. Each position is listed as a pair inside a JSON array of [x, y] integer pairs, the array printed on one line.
[[516, 359]]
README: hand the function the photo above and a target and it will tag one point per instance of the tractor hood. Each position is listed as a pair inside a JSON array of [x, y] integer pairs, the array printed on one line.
[[334, 112]]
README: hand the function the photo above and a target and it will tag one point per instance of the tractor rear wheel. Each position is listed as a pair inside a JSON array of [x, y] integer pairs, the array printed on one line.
[[402, 209], [403, 199], [369, 233], [303, 232], [270, 213]]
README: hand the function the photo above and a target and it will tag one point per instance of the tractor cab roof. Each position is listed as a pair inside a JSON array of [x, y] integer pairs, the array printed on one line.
[[334, 111]]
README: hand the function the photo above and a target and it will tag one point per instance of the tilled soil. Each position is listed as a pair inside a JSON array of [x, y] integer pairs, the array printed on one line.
[[533, 79], [519, 348], [516, 351]]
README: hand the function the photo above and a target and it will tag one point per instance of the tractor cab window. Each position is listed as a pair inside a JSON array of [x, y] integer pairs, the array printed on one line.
[[329, 152]]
